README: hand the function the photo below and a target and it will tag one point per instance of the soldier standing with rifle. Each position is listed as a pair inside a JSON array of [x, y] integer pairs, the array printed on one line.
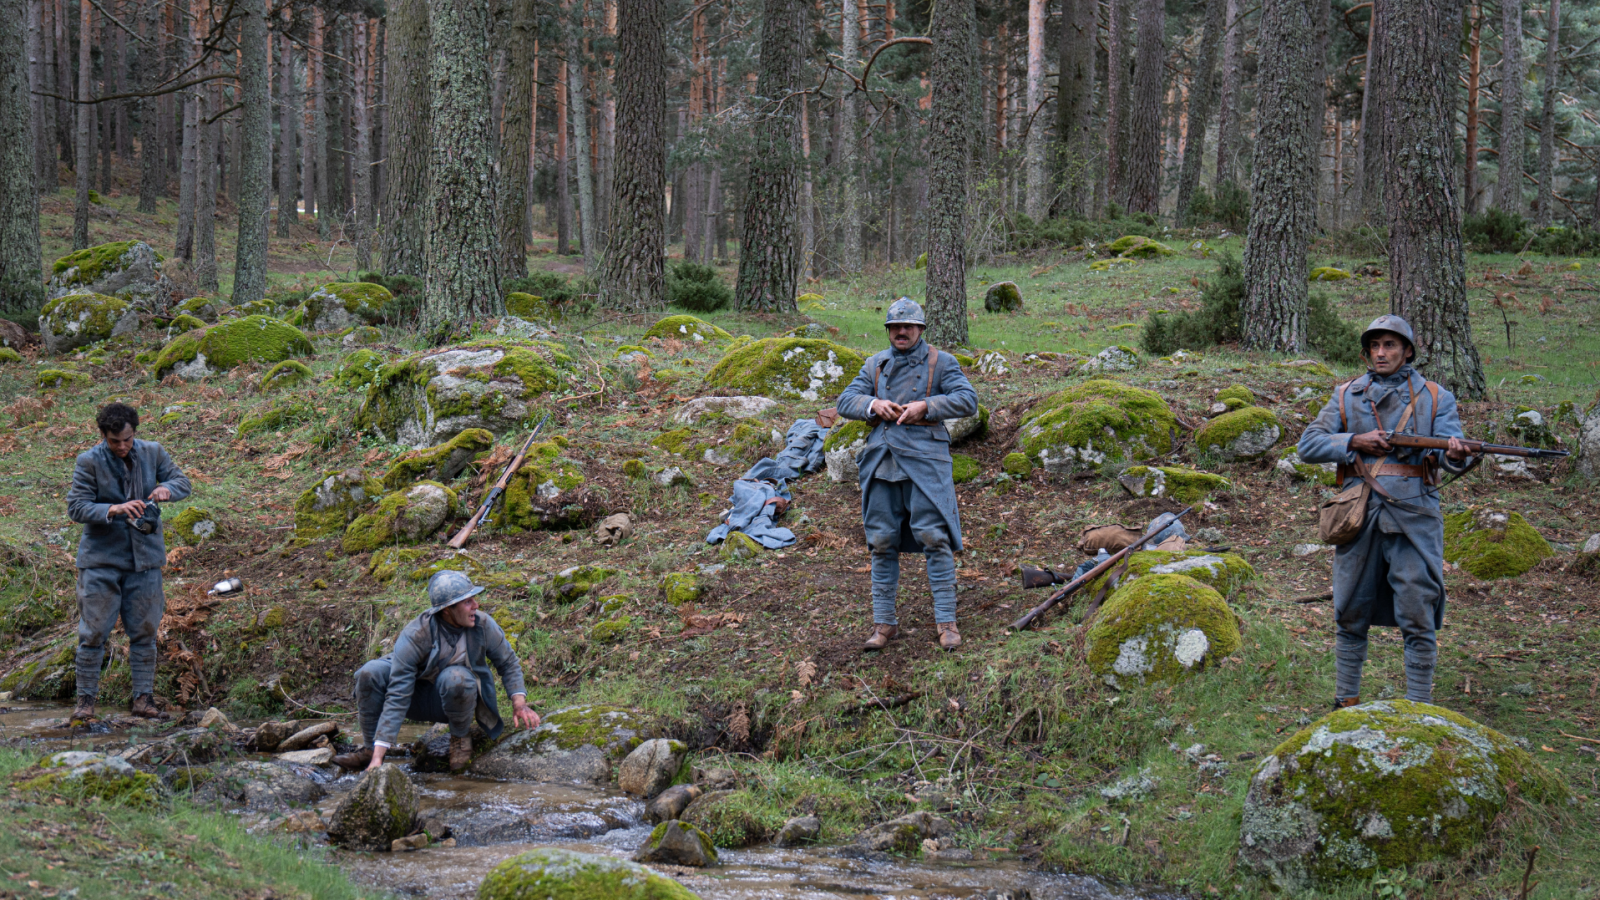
[[1392, 572]]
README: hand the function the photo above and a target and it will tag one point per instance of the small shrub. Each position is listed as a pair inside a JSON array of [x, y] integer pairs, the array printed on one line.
[[562, 293], [21, 295], [1025, 234], [1337, 340], [1578, 240], [697, 288], [1494, 231], [406, 307], [1231, 206], [1216, 322]]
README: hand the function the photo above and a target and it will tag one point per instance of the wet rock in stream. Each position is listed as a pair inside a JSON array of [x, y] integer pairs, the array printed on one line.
[[576, 745], [905, 834], [380, 810], [554, 872], [670, 803], [677, 844], [650, 768], [798, 830]]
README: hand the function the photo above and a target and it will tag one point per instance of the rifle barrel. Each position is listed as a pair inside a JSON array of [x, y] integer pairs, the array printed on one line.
[[1473, 446], [460, 540]]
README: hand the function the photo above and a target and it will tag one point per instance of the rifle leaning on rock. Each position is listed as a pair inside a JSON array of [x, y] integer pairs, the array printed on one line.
[[1032, 578], [1418, 442], [460, 540]]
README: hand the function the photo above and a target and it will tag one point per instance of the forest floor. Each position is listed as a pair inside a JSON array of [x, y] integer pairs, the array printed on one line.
[[1013, 727]]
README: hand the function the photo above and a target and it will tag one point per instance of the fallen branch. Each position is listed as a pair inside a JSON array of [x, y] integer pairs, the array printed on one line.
[[1528, 873], [877, 703], [1576, 738], [1313, 598]]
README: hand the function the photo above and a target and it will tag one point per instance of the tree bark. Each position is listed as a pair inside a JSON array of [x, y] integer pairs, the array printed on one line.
[[1543, 212], [1144, 161], [1469, 181], [563, 187], [516, 134], [1283, 186], [361, 164], [846, 154], [250, 255], [408, 116], [633, 275], [19, 196], [1427, 282], [38, 110], [808, 196], [66, 113], [1228, 94], [153, 66], [579, 106], [1118, 62], [1202, 93], [84, 148], [317, 69], [205, 189], [1372, 122], [1508, 190], [1037, 204], [288, 211], [462, 276], [769, 261], [1076, 155], [951, 127], [188, 163]]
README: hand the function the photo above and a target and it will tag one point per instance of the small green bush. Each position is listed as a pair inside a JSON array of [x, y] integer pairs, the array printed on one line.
[[1231, 206], [1494, 231], [697, 288], [1578, 240], [406, 307], [1337, 340], [563, 294], [21, 295], [1025, 234], [1216, 322]]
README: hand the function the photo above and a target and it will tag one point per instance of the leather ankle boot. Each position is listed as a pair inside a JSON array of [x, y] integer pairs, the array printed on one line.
[[355, 760], [460, 753], [83, 713], [881, 636], [144, 706], [1346, 703], [949, 637]]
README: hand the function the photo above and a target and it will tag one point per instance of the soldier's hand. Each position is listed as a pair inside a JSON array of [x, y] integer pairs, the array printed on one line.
[[377, 757], [1457, 450], [133, 509], [912, 413], [522, 716], [1373, 443], [161, 494], [887, 410]]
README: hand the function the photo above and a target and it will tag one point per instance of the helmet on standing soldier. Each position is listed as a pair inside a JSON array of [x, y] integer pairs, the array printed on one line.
[[1393, 325], [905, 311]]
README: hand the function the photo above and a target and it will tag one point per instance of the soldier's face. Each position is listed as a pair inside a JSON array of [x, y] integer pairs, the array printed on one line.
[[463, 614], [904, 336], [1387, 353], [120, 445]]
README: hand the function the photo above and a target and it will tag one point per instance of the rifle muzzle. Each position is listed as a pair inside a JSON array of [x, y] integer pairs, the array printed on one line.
[[1038, 578]]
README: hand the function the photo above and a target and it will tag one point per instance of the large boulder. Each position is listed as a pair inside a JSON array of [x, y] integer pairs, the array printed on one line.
[[43, 672], [688, 329], [650, 768], [82, 773], [127, 270], [1380, 786], [733, 818], [677, 843], [1002, 297], [905, 834], [77, 320], [193, 526], [403, 517], [1493, 544], [578, 744], [218, 348], [733, 407], [1096, 422], [341, 305], [551, 873], [788, 369], [1180, 484], [1589, 443], [428, 398], [1160, 628], [380, 809], [359, 369], [334, 502], [1136, 246], [1245, 433], [548, 492], [1116, 358], [441, 463]]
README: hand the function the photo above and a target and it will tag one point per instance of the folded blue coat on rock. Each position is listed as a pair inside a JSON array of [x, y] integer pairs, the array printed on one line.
[[801, 454], [752, 514]]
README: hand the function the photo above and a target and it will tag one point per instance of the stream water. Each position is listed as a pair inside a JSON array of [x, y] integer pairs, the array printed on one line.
[[492, 821]]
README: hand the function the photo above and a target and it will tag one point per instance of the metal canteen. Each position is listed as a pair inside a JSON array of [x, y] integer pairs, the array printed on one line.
[[227, 586]]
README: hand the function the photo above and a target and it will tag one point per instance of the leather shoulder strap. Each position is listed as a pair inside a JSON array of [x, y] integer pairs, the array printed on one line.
[[1344, 421], [933, 354], [1433, 391]]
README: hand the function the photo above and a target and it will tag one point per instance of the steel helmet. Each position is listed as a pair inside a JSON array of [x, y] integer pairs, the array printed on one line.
[[905, 311], [1392, 324], [449, 587]]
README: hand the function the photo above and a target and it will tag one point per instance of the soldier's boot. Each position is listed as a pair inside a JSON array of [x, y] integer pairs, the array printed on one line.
[[83, 713], [881, 636], [949, 637], [1346, 703], [144, 706], [460, 753], [355, 760]]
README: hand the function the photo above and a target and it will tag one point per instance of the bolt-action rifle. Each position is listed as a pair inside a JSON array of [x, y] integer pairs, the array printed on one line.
[[1032, 578], [1415, 441], [460, 540]]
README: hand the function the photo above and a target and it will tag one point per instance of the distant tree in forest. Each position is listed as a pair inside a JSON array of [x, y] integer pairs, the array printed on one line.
[[1508, 192], [1202, 96], [19, 198], [1549, 80], [408, 129], [255, 155], [769, 257], [1076, 156], [1144, 150], [950, 128], [516, 132], [632, 275]]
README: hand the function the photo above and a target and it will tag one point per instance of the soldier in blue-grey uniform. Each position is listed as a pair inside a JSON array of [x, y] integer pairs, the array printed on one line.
[[1392, 574], [439, 672], [908, 492]]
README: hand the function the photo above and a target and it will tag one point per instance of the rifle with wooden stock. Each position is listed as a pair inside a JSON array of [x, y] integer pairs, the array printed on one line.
[[1032, 578], [1418, 442], [460, 540]]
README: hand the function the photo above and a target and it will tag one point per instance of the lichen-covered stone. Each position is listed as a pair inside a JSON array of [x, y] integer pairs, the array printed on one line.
[[967, 427], [677, 843], [904, 835], [1134, 246], [1380, 786], [378, 810], [1096, 422], [1490, 543], [738, 545], [577, 744], [202, 308], [127, 270], [50, 379], [442, 463], [732, 818], [528, 306], [219, 347], [341, 305], [429, 397], [840, 448], [76, 320], [1002, 297], [1223, 572], [1291, 465], [358, 370], [403, 517], [1160, 628], [547, 492], [274, 417], [1528, 428], [788, 368], [1017, 465], [47, 673], [732, 407], [287, 374], [1328, 273], [1116, 358], [551, 873], [1242, 434], [333, 502], [83, 774], [362, 335], [1182, 485], [679, 588], [193, 526], [688, 329], [649, 768], [964, 468], [571, 583]]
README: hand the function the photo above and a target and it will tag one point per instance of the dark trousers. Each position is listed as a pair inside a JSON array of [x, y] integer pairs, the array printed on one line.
[[452, 698], [105, 595]]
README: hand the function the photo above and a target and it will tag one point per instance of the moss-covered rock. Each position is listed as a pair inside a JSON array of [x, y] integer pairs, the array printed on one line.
[[964, 468], [571, 583], [1134, 246], [688, 329], [1182, 485], [1242, 434], [1160, 628], [287, 374], [193, 526], [333, 502], [738, 545], [635, 468], [1236, 392], [403, 517], [76, 320], [675, 441], [217, 348], [677, 843], [441, 463], [275, 417], [1096, 422], [50, 379], [1328, 273], [1380, 786], [1493, 544], [380, 809], [575, 744], [341, 305], [968, 427], [202, 308], [547, 492], [788, 368], [1223, 572], [551, 873], [82, 774], [1529, 429], [1106, 265], [1293, 466], [849, 434], [8, 355], [610, 629], [1017, 465], [734, 818], [528, 306], [427, 398], [1002, 296], [1116, 358], [678, 588], [127, 270], [359, 369], [45, 673], [361, 336]]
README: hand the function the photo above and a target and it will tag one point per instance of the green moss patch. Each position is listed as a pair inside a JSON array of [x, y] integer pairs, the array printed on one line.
[[427, 398], [1134, 246], [193, 526], [220, 347], [964, 468], [359, 369], [275, 417], [1182, 485], [551, 873], [686, 328], [403, 517], [8, 355], [545, 493], [92, 263], [733, 818], [333, 502], [1098, 421], [340, 305], [1241, 434], [788, 368], [441, 463], [1017, 465], [287, 374], [50, 379], [571, 583], [1493, 544], [846, 435], [1328, 273], [679, 588], [1161, 628]]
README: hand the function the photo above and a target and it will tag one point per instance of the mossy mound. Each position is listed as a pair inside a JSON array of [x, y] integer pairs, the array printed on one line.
[[359, 369], [1236, 393], [735, 818], [1529, 429], [217, 348], [677, 441], [361, 336], [403, 517], [551, 873], [686, 328], [547, 492], [1222, 572], [78, 320], [1328, 273], [341, 305], [571, 583], [1106, 265], [333, 502], [1182, 485], [1380, 786], [127, 270], [1116, 358], [528, 306], [82, 775], [50, 379], [49, 673], [1017, 465], [427, 398], [183, 323], [1493, 544], [287, 374], [679, 588], [1161, 628], [609, 630], [1002, 297], [1242, 434], [1134, 246], [202, 308], [1096, 422], [847, 435], [441, 463], [193, 526], [275, 417], [788, 368], [738, 545], [8, 355], [964, 468]]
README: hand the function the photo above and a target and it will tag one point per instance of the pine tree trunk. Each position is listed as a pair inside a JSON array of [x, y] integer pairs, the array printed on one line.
[[1543, 209], [1427, 282], [187, 165], [84, 147], [606, 126], [38, 109], [769, 264], [1118, 65], [255, 155], [408, 116], [308, 145], [1508, 190], [515, 137], [808, 196], [361, 165], [1037, 204], [579, 105], [847, 153], [951, 131], [632, 276], [205, 189], [1202, 93], [1144, 162], [1283, 185], [1228, 98], [317, 69], [1469, 181], [1372, 122], [563, 187], [335, 93], [287, 208], [1076, 154], [19, 196], [153, 71], [462, 277], [66, 112]]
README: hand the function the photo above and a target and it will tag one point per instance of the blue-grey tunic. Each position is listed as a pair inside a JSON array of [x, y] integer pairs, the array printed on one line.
[[920, 452], [417, 657], [99, 481]]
